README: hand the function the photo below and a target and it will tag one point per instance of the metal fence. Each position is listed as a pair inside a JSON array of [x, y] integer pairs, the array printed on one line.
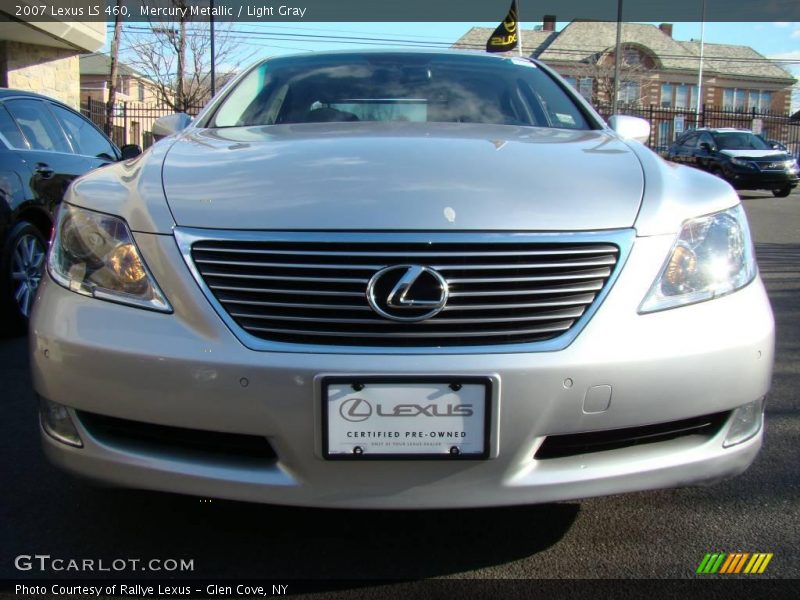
[[666, 124], [132, 122]]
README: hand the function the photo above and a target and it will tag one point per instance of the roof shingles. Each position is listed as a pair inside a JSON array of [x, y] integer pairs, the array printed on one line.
[[584, 41]]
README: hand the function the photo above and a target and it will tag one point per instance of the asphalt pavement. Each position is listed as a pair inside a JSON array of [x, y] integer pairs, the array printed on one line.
[[652, 534]]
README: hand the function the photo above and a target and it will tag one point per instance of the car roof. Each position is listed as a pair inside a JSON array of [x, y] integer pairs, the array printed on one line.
[[474, 55], [8, 92], [378, 51], [12, 93]]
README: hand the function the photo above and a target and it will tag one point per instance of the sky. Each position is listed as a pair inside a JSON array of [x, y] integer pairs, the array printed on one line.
[[774, 40]]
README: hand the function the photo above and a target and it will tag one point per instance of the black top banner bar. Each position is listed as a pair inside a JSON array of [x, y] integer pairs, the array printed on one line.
[[267, 11]]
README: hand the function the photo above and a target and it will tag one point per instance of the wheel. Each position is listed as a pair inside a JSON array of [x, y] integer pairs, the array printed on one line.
[[23, 263], [782, 192]]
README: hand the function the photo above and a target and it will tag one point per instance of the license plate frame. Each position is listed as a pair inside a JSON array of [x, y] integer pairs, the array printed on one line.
[[485, 383]]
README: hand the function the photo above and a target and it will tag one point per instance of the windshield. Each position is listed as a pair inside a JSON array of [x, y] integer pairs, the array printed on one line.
[[740, 140], [398, 87]]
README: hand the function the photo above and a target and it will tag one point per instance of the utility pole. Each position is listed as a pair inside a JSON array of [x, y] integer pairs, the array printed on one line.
[[213, 56], [112, 76], [700, 70], [181, 99], [617, 58]]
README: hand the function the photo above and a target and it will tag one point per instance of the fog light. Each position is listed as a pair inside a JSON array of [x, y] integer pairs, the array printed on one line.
[[58, 424], [746, 421]]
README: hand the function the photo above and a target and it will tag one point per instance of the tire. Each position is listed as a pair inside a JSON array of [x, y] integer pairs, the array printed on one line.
[[22, 266], [782, 192]]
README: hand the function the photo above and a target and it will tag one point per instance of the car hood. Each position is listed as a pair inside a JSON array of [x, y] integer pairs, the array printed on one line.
[[402, 176], [775, 154]]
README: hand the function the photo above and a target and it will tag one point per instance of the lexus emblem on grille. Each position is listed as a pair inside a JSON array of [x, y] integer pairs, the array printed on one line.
[[407, 293]]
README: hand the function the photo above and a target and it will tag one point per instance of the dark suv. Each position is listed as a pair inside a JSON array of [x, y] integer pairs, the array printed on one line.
[[44, 145], [740, 157]]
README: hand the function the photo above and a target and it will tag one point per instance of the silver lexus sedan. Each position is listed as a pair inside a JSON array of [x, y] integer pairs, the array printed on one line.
[[401, 280]]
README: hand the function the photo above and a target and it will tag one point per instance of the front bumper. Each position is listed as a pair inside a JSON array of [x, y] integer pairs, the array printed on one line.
[[188, 370], [760, 180]]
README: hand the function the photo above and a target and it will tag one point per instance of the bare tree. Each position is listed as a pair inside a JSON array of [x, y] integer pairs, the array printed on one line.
[[634, 80], [175, 55]]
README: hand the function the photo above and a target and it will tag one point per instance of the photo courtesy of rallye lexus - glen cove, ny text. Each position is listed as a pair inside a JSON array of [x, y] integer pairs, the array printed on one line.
[[401, 279]]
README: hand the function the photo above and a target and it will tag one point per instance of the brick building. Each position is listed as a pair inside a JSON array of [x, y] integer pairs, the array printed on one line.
[[44, 57], [657, 70]]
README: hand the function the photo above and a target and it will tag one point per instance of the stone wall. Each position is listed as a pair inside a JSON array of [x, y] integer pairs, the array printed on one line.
[[54, 72]]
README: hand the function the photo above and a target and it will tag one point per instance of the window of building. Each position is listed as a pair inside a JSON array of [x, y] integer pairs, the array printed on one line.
[[632, 57], [753, 97], [727, 99], [733, 99], [746, 100], [766, 101], [629, 92], [738, 99], [666, 95], [682, 96], [759, 101], [140, 85], [586, 87], [123, 85], [678, 95]]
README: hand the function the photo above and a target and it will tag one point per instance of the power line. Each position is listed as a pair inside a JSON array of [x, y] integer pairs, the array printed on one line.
[[371, 41]]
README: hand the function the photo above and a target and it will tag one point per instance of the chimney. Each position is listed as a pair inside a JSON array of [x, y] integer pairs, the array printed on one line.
[[666, 28], [549, 23]]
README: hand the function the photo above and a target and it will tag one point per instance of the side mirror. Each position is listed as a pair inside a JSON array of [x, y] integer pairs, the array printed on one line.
[[169, 124], [630, 128], [130, 151], [706, 146]]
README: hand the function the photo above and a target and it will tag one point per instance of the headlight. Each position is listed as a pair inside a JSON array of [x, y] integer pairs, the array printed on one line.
[[94, 254], [712, 256], [791, 165], [739, 162]]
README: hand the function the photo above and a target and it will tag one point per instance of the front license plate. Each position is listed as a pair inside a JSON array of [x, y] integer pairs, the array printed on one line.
[[381, 419]]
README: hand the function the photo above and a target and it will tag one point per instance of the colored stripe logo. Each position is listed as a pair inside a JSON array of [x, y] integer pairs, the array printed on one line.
[[732, 563]]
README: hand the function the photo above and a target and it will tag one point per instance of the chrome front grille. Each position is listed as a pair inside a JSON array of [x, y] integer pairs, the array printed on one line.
[[310, 288]]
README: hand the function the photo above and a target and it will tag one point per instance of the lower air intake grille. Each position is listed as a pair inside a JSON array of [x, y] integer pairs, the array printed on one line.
[[311, 288], [162, 438], [559, 446]]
